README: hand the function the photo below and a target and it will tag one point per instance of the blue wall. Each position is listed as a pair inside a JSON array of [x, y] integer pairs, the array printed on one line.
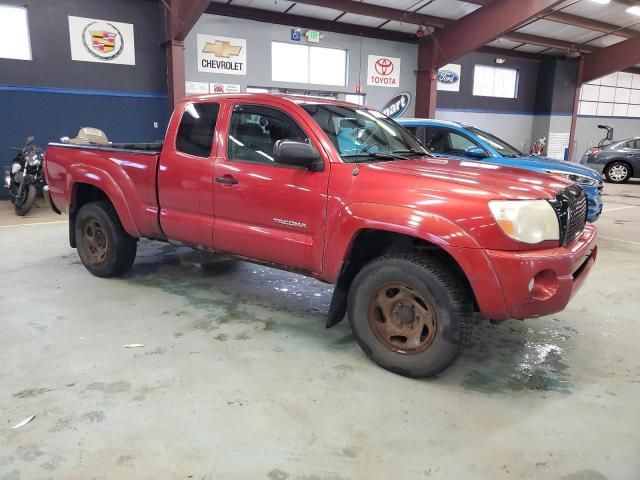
[[51, 113], [53, 96]]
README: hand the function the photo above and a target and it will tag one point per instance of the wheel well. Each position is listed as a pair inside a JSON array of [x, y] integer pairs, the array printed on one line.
[[83, 193], [368, 245]]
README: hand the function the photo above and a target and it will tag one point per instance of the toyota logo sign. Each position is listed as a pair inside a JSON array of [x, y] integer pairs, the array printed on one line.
[[383, 71], [384, 66]]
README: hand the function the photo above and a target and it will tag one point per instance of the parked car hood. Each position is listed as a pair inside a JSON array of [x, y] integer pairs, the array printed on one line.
[[503, 181], [542, 164]]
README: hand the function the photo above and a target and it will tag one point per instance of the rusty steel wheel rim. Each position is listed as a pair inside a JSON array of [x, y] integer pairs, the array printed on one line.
[[402, 319], [95, 241]]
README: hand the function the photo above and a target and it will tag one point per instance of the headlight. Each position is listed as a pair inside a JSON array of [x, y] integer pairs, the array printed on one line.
[[575, 177], [528, 221]]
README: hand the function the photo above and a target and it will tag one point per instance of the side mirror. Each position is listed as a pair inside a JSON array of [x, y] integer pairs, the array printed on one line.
[[297, 154], [29, 141], [474, 152]]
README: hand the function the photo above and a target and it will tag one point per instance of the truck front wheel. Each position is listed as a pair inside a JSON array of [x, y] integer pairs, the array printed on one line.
[[105, 248], [410, 314]]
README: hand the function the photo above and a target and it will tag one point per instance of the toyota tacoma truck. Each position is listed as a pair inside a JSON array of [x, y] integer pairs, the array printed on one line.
[[418, 247]]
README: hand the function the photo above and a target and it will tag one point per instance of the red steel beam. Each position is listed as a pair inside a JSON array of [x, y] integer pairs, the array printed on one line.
[[611, 59], [247, 13], [484, 25], [189, 12], [549, 42], [378, 11]]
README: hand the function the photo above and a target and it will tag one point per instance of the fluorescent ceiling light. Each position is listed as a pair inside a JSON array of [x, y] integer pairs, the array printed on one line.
[[634, 10], [603, 2]]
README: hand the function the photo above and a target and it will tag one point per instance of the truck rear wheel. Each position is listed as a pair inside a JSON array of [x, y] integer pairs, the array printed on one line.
[[411, 315], [105, 248]]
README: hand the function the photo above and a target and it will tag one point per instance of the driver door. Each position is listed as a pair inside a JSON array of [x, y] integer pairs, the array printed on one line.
[[264, 210]]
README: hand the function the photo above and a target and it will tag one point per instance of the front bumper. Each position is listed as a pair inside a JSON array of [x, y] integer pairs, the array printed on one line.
[[541, 282]]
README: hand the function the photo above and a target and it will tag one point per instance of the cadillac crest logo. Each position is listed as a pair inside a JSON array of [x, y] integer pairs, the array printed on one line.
[[102, 40]]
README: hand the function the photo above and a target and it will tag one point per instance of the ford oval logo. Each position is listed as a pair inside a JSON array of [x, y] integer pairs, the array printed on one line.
[[447, 76], [399, 104]]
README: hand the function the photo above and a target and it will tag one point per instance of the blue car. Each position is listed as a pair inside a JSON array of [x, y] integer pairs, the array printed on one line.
[[458, 140]]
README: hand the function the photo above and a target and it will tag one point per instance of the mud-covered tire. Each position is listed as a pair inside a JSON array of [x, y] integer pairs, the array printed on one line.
[[22, 209], [617, 172], [439, 285], [105, 248]]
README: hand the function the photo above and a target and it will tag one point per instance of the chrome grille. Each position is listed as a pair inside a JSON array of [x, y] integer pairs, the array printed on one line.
[[571, 207]]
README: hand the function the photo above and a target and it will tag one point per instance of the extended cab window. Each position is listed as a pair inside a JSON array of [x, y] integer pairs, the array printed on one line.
[[195, 133], [255, 130]]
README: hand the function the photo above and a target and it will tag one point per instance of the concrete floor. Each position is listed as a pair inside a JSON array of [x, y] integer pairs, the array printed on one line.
[[238, 378]]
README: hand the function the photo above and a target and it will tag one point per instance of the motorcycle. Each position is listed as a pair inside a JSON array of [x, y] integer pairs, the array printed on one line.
[[24, 176]]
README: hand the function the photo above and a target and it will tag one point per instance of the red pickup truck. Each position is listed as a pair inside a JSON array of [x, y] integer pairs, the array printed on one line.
[[415, 245]]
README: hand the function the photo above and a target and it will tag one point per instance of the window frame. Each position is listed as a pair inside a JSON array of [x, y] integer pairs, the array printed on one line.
[[515, 89], [301, 125], [309, 67]]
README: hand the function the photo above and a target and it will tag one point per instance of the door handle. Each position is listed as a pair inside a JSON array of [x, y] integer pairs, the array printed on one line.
[[227, 180]]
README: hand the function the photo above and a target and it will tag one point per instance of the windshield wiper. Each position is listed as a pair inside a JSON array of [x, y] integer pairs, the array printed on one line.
[[414, 152], [378, 155]]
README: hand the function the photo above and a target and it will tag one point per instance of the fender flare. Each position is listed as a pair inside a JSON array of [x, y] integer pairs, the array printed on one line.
[[355, 218], [104, 182]]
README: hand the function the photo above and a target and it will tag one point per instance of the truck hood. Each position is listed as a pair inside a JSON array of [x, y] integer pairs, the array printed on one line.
[[506, 182], [542, 164]]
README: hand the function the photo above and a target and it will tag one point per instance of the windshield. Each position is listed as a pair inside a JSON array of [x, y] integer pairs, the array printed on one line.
[[502, 147], [365, 135]]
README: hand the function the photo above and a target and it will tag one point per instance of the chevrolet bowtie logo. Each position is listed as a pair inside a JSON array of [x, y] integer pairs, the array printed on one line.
[[221, 49]]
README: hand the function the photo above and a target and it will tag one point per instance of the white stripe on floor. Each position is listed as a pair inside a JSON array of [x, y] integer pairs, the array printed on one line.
[[619, 240], [31, 224], [607, 210]]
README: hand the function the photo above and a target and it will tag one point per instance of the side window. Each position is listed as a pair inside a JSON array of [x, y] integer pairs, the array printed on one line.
[[636, 145], [254, 131], [458, 143], [435, 140], [195, 133]]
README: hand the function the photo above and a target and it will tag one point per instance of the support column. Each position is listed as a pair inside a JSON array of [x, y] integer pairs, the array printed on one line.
[[426, 79], [574, 112], [175, 71]]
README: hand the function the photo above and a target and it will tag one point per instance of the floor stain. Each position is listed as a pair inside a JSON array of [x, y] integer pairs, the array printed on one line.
[[12, 475], [515, 358], [278, 475], [71, 421], [32, 392], [585, 475], [29, 453], [126, 461], [115, 387], [53, 463]]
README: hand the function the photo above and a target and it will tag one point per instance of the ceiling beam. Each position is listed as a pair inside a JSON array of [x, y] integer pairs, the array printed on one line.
[[484, 25], [268, 16], [183, 15], [576, 21], [548, 42], [378, 11], [611, 59]]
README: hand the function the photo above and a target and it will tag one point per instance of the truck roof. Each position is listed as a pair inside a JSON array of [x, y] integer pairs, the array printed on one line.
[[296, 99]]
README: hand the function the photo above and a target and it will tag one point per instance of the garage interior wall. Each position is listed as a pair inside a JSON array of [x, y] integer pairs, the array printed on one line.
[[259, 37], [53, 96]]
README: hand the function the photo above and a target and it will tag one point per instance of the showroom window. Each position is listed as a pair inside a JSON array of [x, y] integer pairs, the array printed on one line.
[[306, 64], [195, 133], [614, 95], [255, 130], [14, 33], [495, 82]]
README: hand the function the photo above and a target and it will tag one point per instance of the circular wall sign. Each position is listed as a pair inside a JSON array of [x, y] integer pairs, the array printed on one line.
[[102, 40]]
